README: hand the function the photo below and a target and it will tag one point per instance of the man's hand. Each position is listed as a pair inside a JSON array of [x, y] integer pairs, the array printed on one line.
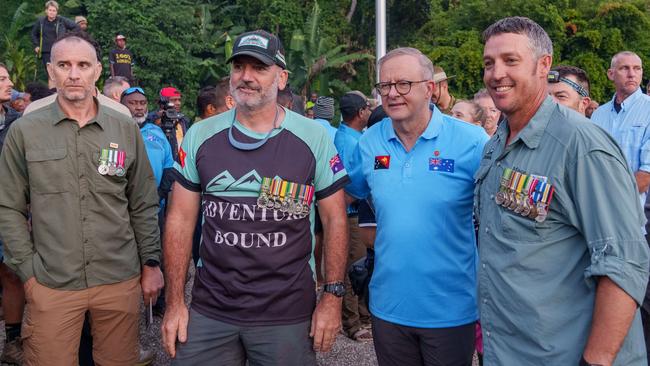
[[152, 282], [326, 322], [37, 49], [174, 326]]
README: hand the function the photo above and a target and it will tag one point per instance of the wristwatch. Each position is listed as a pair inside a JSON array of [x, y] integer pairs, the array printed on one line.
[[336, 288], [152, 263]]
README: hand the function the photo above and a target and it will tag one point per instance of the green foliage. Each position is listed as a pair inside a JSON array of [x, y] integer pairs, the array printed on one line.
[[311, 53], [20, 60]]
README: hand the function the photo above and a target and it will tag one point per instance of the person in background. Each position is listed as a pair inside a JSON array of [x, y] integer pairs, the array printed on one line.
[[441, 96], [48, 29], [82, 22], [591, 108], [121, 59], [468, 111], [213, 100], [569, 86], [492, 114], [13, 295], [19, 100], [114, 86], [285, 98], [324, 113], [355, 111]]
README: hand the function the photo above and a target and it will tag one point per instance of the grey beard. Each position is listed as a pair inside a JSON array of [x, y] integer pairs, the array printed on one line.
[[140, 120]]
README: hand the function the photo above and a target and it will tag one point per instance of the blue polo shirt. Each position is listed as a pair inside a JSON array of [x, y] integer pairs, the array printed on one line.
[[159, 150], [425, 250], [346, 140]]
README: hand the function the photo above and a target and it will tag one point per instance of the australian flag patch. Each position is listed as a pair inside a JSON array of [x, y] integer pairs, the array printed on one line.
[[441, 165], [336, 164]]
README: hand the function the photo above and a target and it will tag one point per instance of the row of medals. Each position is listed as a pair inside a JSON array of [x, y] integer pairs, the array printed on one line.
[[276, 194], [527, 195], [109, 165]]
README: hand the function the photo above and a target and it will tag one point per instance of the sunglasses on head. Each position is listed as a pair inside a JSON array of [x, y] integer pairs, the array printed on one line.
[[131, 90]]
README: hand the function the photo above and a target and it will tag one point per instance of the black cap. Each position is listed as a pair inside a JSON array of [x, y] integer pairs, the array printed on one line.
[[262, 45], [351, 103]]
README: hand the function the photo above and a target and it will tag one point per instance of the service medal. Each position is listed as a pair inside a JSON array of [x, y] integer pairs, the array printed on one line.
[[103, 169], [120, 171], [103, 159], [500, 197]]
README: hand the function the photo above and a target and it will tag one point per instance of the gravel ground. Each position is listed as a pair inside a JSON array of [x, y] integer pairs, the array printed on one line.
[[346, 352]]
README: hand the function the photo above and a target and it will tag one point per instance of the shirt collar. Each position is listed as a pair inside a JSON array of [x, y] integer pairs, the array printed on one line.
[[60, 116], [629, 101], [348, 130], [532, 134], [432, 130]]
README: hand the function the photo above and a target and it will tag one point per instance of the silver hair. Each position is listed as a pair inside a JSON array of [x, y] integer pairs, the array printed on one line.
[[622, 53], [52, 3], [482, 93], [539, 41], [113, 83], [425, 63]]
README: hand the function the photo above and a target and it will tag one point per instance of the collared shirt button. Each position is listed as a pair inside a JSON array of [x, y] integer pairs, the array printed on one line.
[[485, 301], [487, 230], [499, 164], [407, 165], [491, 196], [483, 265], [487, 333]]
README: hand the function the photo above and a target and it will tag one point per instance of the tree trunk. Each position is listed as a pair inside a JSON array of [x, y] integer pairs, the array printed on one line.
[[353, 7]]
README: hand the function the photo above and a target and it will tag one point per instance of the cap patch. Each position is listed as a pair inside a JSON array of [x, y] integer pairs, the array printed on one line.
[[254, 40]]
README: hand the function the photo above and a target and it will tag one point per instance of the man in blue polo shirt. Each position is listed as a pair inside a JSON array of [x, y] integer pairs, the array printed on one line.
[[418, 165], [355, 111]]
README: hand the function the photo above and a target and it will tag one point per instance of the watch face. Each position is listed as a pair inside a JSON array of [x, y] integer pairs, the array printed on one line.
[[336, 289]]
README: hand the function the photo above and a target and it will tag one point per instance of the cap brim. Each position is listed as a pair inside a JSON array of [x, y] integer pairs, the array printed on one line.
[[260, 56]]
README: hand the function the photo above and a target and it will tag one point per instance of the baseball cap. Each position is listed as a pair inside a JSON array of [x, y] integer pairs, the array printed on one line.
[[352, 102], [80, 18], [262, 45], [440, 75], [169, 92], [120, 36]]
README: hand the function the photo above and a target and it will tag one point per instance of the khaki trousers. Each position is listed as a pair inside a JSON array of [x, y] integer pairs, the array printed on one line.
[[355, 314], [53, 321]]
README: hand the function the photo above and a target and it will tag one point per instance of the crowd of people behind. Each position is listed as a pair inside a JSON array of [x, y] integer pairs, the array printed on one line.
[[434, 227]]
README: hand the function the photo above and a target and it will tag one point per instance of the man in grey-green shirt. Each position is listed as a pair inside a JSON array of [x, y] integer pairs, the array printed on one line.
[[563, 262], [82, 172]]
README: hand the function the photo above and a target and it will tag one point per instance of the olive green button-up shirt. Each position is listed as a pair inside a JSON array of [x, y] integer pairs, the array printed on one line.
[[537, 280], [88, 229]]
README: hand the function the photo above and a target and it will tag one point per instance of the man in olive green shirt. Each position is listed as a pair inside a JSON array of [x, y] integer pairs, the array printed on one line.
[[82, 171], [563, 261]]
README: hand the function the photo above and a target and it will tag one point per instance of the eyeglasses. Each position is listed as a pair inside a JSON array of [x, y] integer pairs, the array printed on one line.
[[402, 87], [133, 89]]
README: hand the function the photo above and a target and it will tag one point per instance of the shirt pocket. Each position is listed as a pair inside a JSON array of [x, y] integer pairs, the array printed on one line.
[[521, 229], [109, 183], [48, 170]]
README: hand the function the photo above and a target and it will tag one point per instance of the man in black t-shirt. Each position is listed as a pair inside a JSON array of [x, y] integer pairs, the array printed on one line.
[[121, 60]]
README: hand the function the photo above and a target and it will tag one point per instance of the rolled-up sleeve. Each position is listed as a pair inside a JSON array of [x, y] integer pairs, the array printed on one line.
[[142, 194], [14, 200], [610, 217]]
